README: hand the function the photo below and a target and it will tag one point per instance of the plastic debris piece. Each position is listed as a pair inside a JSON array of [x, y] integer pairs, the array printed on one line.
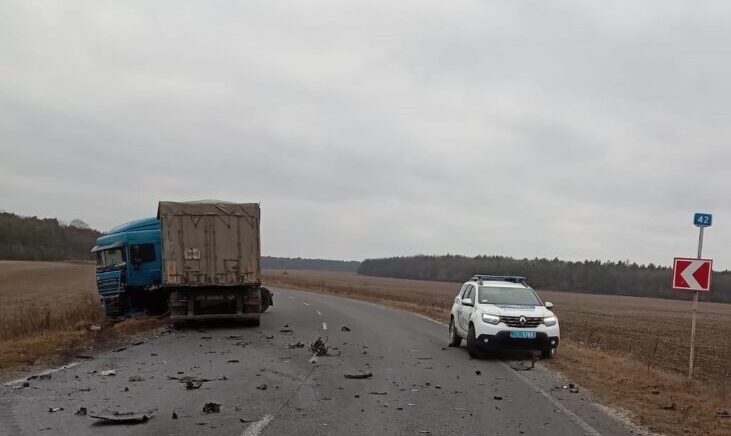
[[175, 415], [262, 387], [345, 328], [54, 409], [362, 375], [108, 372], [378, 393], [211, 408], [120, 418], [136, 378], [478, 372]]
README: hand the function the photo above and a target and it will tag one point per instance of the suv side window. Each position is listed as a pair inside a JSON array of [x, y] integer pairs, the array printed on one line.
[[463, 291], [470, 292]]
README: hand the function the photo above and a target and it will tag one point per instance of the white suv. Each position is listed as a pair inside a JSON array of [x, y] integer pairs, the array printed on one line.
[[502, 313]]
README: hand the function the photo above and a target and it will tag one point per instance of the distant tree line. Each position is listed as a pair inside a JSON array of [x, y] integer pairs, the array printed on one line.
[[32, 238], [268, 262], [590, 276]]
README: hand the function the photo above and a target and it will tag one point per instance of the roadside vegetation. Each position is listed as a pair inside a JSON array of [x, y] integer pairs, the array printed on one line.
[[33, 238], [588, 276], [49, 312], [632, 352]]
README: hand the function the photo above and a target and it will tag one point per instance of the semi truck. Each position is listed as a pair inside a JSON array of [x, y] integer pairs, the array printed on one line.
[[198, 260]]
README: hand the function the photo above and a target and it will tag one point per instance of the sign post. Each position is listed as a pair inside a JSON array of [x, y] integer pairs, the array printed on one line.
[[694, 275]]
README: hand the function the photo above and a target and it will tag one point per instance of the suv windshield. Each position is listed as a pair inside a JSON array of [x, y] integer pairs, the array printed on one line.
[[109, 258], [517, 296]]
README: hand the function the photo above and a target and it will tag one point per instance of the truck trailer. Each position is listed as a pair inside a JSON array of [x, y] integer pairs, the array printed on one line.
[[199, 260]]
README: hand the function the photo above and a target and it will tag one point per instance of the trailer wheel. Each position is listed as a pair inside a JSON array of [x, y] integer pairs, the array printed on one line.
[[266, 299]]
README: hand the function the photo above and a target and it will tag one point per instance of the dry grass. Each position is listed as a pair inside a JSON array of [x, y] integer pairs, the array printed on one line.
[[46, 309], [630, 351]]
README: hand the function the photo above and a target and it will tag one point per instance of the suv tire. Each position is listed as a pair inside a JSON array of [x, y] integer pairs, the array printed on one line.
[[548, 354], [454, 339], [472, 348]]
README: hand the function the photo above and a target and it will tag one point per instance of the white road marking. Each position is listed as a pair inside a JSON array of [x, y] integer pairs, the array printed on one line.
[[291, 297], [256, 427], [324, 326], [306, 304], [574, 417], [48, 371], [577, 420], [318, 313]]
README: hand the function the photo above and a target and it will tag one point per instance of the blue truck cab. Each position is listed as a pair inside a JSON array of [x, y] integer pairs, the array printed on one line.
[[128, 268]]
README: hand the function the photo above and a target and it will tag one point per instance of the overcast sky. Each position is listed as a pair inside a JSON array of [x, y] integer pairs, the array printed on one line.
[[366, 129]]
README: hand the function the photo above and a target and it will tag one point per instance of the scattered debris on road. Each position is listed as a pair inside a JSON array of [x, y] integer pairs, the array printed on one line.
[[211, 408], [81, 411], [478, 372], [175, 415], [136, 378], [262, 387], [54, 409], [120, 418], [191, 385], [119, 350], [84, 356], [233, 361], [108, 372], [318, 347], [378, 393], [345, 328], [497, 397], [362, 375], [296, 345]]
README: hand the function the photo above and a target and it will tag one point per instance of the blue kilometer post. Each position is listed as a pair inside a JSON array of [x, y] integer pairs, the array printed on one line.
[[702, 219]]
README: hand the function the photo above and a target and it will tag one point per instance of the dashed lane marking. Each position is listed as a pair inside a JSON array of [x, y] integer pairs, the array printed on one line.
[[324, 326], [306, 304], [255, 428]]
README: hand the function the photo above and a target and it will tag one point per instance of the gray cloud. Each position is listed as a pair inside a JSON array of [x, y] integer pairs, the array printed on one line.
[[569, 129]]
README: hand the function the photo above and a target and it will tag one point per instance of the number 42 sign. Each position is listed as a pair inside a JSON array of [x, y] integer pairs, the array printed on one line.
[[703, 219]]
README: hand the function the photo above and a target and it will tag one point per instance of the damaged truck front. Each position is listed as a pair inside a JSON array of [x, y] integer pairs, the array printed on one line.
[[199, 260]]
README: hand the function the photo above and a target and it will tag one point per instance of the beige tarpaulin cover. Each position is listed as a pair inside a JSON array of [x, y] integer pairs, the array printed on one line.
[[210, 242]]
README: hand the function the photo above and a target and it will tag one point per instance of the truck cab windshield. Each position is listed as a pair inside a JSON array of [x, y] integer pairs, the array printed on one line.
[[108, 259]]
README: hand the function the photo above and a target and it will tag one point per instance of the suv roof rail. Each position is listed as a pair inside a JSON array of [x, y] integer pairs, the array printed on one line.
[[493, 278]]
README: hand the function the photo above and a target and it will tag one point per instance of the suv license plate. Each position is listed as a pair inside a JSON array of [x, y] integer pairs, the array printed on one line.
[[523, 335]]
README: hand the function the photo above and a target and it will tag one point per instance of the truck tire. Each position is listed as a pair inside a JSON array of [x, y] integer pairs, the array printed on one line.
[[266, 299], [454, 339]]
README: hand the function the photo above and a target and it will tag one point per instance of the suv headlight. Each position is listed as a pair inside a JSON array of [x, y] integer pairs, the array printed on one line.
[[549, 321], [490, 319]]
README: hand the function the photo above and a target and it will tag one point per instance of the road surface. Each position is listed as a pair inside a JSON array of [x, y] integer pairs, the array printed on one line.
[[419, 386]]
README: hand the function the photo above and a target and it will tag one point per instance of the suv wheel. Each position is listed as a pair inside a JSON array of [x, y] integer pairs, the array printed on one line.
[[472, 348], [454, 339], [548, 354]]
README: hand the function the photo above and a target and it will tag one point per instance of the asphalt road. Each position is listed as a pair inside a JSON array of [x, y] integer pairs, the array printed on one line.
[[419, 386]]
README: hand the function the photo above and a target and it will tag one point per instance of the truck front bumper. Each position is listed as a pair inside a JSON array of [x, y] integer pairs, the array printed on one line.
[[503, 341]]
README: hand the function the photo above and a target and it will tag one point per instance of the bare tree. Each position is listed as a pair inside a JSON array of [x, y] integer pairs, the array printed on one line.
[[79, 224]]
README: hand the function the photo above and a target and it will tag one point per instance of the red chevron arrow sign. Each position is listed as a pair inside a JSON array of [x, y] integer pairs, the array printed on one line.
[[692, 274]]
